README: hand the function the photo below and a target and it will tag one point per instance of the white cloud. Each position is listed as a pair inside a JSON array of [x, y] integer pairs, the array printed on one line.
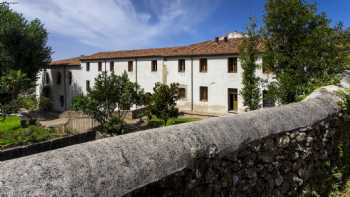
[[116, 24]]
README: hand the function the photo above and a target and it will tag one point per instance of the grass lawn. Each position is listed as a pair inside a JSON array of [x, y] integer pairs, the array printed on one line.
[[173, 121], [10, 123], [11, 133]]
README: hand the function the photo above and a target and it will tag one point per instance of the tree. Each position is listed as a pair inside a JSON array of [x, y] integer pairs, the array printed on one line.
[[12, 85], [23, 44], [345, 46], [248, 56], [301, 48], [110, 100], [163, 101]]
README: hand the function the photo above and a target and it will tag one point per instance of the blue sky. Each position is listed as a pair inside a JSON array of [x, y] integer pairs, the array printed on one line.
[[78, 27]]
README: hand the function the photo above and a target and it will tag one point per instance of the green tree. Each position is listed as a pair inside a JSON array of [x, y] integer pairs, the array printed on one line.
[[109, 101], [345, 46], [23, 44], [163, 101], [249, 53], [302, 49], [12, 85]]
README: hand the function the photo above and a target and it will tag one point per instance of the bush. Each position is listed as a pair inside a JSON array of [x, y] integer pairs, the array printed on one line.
[[23, 136], [115, 126], [44, 104], [37, 134], [163, 101], [28, 102]]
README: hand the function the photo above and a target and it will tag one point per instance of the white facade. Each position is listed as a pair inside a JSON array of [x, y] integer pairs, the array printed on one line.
[[214, 91], [217, 79]]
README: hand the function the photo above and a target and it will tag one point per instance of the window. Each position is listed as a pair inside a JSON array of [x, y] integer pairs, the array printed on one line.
[[130, 66], [268, 100], [59, 78], [87, 66], [47, 78], [62, 101], [203, 65], [181, 93], [111, 66], [232, 65], [154, 65], [87, 85], [203, 93], [100, 66], [181, 66], [70, 78], [232, 99]]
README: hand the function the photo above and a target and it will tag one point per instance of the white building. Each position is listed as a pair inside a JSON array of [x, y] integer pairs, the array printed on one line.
[[209, 74]]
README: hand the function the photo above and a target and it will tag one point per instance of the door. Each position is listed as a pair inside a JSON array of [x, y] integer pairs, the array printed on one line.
[[232, 99]]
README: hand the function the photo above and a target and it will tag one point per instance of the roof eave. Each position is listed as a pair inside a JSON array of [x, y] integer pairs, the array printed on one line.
[[163, 56]]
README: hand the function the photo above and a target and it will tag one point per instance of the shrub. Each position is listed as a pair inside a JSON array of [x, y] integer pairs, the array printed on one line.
[[163, 101], [28, 102], [44, 104]]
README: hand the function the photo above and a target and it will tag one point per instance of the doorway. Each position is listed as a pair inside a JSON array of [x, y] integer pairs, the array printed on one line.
[[232, 99]]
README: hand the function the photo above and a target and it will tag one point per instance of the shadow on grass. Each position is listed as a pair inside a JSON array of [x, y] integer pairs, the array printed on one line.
[[155, 122]]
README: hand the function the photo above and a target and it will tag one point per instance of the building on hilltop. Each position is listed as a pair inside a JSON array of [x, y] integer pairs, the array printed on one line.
[[209, 74]]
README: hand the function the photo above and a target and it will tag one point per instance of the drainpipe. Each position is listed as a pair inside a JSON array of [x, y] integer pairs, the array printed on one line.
[[65, 87], [164, 71], [192, 83], [105, 76], [136, 70]]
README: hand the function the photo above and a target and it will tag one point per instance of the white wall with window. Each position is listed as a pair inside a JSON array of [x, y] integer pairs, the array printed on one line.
[[220, 75]]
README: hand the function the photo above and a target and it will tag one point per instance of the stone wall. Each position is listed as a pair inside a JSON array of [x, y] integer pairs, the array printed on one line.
[[269, 152], [278, 165]]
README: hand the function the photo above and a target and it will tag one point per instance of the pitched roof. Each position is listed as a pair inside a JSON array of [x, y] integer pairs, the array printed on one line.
[[66, 62], [221, 47], [208, 48]]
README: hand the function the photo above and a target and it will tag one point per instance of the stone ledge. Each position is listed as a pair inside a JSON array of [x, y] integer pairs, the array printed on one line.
[[119, 165]]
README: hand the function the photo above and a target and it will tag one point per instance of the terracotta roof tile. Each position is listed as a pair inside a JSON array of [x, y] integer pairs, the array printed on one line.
[[66, 62], [231, 46], [207, 48]]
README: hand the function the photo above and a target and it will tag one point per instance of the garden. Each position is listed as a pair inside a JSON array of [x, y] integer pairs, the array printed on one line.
[[14, 133]]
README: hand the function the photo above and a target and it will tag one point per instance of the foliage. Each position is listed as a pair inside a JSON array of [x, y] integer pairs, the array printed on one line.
[[109, 100], [334, 177], [13, 84], [345, 45], [345, 103], [44, 104], [154, 121], [79, 102], [23, 44], [12, 134], [163, 101], [10, 123], [301, 48], [28, 102], [248, 56]]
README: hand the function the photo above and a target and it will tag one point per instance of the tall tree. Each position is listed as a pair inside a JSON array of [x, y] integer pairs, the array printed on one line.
[[248, 57], [23, 43], [301, 48], [163, 101], [109, 100]]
